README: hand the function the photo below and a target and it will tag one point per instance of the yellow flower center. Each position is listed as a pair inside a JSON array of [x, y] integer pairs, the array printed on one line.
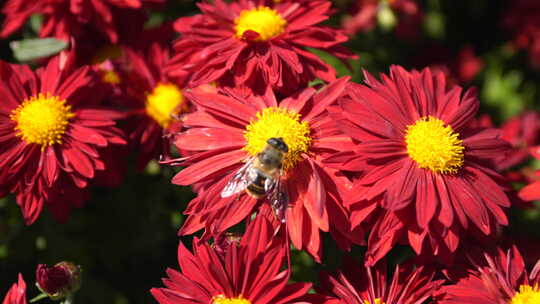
[[164, 103], [278, 122], [434, 146], [377, 301], [263, 20], [42, 120], [526, 295], [221, 299], [110, 76]]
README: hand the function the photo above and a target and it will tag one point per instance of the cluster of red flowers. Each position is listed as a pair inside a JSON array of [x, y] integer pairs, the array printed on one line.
[[401, 159]]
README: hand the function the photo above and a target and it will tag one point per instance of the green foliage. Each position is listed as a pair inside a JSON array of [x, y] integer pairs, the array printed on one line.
[[506, 92], [35, 48]]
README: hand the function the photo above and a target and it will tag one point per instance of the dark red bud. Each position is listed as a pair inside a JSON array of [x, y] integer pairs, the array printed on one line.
[[59, 280]]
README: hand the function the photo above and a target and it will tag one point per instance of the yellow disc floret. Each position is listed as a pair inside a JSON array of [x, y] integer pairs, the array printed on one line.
[[221, 299], [263, 20], [164, 103], [377, 301], [278, 122], [434, 146], [42, 120], [526, 295]]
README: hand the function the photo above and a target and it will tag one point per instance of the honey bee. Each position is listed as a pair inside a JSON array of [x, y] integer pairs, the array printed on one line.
[[261, 177]]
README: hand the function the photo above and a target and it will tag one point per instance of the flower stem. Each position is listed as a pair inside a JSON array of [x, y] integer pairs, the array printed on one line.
[[39, 297]]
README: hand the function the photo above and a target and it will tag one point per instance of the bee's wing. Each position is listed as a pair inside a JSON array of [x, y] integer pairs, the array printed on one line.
[[239, 181], [279, 198], [270, 184]]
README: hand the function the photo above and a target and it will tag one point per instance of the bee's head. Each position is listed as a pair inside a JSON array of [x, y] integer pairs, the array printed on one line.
[[278, 143]]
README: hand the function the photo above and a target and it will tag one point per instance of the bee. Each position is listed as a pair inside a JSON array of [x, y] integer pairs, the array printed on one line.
[[261, 177]]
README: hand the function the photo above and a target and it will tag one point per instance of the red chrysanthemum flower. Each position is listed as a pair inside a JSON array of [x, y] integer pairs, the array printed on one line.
[[421, 162], [227, 130], [52, 132], [17, 293], [523, 20], [254, 42], [532, 191], [154, 100], [249, 273], [357, 284], [64, 19], [105, 57], [521, 132], [501, 279]]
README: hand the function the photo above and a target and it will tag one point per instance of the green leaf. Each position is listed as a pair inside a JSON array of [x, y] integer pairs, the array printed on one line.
[[30, 49], [36, 20]]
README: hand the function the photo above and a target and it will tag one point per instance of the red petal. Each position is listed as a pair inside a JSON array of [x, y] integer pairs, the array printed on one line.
[[403, 189], [295, 221], [416, 239], [201, 139], [87, 135], [326, 97], [203, 169], [50, 166], [223, 106], [31, 206], [427, 201], [79, 161], [535, 152], [73, 82], [446, 214], [315, 202], [530, 192]]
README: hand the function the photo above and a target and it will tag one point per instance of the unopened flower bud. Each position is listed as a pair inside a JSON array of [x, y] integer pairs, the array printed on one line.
[[58, 281]]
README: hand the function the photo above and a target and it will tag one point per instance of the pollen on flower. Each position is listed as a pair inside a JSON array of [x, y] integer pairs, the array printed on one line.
[[526, 295], [377, 301], [221, 299], [434, 146], [164, 103], [278, 122], [263, 20], [42, 120], [110, 76]]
